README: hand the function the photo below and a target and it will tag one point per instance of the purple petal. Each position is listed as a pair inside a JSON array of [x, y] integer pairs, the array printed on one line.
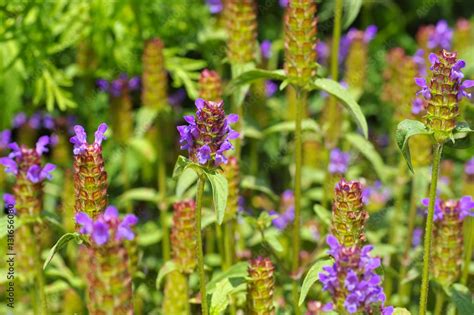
[[370, 33], [34, 173], [99, 134], [467, 84], [85, 221], [129, 220], [100, 233], [433, 58], [200, 103], [46, 171], [189, 119], [232, 118], [41, 145], [10, 165], [110, 213], [9, 200]]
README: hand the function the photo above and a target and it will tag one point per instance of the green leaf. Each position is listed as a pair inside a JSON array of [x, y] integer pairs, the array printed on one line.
[[139, 194], [367, 149], [463, 136], [337, 90], [63, 240], [401, 311], [168, 267], [239, 270], [181, 164], [311, 277], [287, 126], [323, 214], [405, 130], [144, 148], [462, 298], [256, 74], [220, 297], [187, 178], [219, 194], [240, 91], [351, 10]]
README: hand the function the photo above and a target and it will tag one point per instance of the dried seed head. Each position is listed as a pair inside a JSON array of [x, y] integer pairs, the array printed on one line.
[[154, 78], [183, 235], [260, 287], [348, 213], [210, 87], [241, 25], [232, 173], [90, 178], [300, 41], [445, 89]]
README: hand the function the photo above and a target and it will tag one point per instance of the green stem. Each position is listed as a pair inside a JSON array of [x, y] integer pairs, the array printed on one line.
[[228, 243], [162, 192], [469, 244], [300, 106], [439, 303], [438, 149], [221, 246], [239, 110], [202, 274]]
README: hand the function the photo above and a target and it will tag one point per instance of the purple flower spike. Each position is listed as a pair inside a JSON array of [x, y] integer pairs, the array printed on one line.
[[442, 36], [266, 49], [80, 138], [339, 161], [215, 6], [41, 145]]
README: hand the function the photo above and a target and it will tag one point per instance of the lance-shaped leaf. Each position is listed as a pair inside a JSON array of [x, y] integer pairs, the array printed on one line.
[[463, 136], [351, 10], [462, 298], [63, 240], [287, 126], [311, 277], [337, 90], [250, 76], [406, 129], [181, 164], [167, 268], [220, 191]]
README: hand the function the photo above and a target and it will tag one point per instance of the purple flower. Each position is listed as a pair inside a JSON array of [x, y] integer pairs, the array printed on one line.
[[322, 52], [377, 194], [35, 121], [352, 279], [119, 86], [270, 88], [419, 59], [41, 145], [35, 173], [469, 167], [441, 37], [134, 83], [207, 135], [462, 208], [215, 6], [370, 33], [467, 84], [438, 213], [19, 120], [266, 49], [283, 3], [79, 140], [9, 200], [465, 206], [5, 138], [48, 122], [287, 211], [107, 226], [417, 237], [425, 91], [177, 98], [417, 106], [103, 85], [9, 164], [338, 161]]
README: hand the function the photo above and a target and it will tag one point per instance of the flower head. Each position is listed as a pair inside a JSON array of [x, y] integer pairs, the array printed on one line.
[[459, 209], [441, 37], [352, 280], [338, 161], [107, 227], [79, 140], [207, 135], [26, 162]]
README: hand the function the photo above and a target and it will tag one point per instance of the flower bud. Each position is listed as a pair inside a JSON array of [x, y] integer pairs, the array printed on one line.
[[348, 213], [154, 78], [241, 25], [260, 287], [210, 87], [300, 41], [183, 235]]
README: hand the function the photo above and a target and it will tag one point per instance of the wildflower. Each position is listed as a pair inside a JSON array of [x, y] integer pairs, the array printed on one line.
[[348, 213], [19, 120], [270, 88], [215, 6], [376, 196], [5, 138], [119, 86], [260, 287], [445, 89], [154, 77], [322, 52], [352, 281], [300, 41], [338, 161], [417, 237], [266, 49], [183, 235], [90, 178], [177, 98], [242, 31], [441, 37], [210, 86], [208, 135]]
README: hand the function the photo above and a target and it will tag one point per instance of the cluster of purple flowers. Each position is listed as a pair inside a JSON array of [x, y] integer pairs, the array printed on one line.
[[456, 74], [37, 121], [376, 194], [79, 140], [208, 135], [441, 36], [352, 280], [119, 86], [107, 226], [215, 6], [287, 211], [35, 173], [464, 207], [346, 41], [338, 161]]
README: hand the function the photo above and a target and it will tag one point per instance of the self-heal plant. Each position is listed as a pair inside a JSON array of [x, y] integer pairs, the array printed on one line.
[[260, 287], [30, 173], [442, 91], [352, 281], [207, 138], [110, 282]]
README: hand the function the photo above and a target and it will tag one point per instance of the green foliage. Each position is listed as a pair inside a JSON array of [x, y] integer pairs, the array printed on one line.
[[405, 130]]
